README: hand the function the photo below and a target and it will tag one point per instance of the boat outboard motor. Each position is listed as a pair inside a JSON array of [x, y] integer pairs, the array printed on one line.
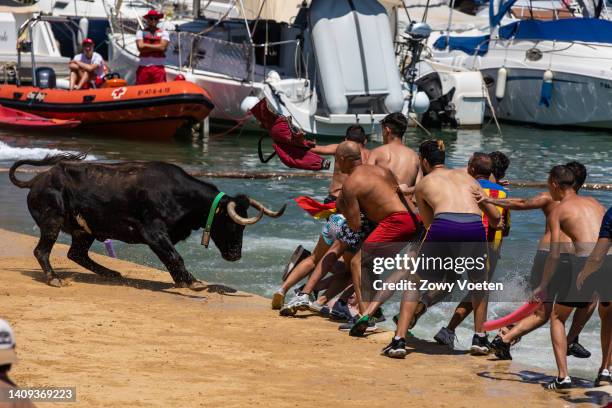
[[45, 77], [416, 35]]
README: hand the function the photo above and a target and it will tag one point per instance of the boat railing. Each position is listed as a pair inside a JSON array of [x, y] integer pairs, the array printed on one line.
[[192, 51]]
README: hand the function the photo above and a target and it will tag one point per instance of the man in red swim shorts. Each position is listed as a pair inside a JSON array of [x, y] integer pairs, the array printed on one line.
[[373, 191]]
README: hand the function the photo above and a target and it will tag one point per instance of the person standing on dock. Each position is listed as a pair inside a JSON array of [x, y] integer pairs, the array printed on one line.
[[152, 43]]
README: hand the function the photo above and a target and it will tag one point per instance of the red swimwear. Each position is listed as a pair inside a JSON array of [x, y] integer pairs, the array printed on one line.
[[397, 227]]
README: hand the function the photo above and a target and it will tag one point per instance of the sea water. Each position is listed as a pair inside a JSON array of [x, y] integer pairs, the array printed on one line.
[[268, 244]]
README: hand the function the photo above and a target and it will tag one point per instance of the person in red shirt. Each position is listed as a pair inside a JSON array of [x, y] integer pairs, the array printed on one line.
[[152, 43]]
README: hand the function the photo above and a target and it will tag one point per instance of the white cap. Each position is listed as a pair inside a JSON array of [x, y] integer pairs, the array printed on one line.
[[7, 344]]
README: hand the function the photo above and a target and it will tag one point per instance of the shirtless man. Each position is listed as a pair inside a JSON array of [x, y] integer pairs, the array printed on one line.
[[447, 206], [373, 191], [580, 219], [600, 261], [356, 134], [393, 154], [544, 201]]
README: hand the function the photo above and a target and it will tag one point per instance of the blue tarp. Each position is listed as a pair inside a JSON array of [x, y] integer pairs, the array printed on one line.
[[470, 45], [495, 16], [570, 29]]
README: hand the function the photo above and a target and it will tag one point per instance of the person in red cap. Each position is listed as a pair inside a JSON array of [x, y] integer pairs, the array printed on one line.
[[86, 68], [152, 43]]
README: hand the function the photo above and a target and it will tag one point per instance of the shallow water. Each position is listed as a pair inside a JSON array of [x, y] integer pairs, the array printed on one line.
[[268, 244]]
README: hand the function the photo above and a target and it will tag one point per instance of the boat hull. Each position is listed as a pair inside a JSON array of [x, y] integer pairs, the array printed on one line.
[[153, 111]]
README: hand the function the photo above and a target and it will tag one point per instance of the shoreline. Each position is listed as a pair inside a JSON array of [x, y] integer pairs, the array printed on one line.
[[143, 343]]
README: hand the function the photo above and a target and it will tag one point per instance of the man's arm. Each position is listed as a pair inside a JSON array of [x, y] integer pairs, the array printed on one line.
[[87, 67], [349, 206], [595, 261], [490, 210], [552, 260], [327, 150], [425, 209], [521, 204], [372, 157], [142, 46]]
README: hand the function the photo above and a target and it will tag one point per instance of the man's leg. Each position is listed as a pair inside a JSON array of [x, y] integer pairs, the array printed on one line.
[[158, 74], [408, 306], [581, 317], [305, 267], [558, 318], [528, 324], [605, 313], [324, 265], [84, 78], [462, 311]]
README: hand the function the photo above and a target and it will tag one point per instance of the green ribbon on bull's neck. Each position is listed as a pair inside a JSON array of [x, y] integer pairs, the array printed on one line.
[[211, 217]]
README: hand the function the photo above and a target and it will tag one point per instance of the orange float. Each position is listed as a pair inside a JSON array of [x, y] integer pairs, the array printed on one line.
[[154, 111]]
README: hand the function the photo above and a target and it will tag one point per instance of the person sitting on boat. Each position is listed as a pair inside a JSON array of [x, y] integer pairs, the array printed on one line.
[[152, 43], [86, 68]]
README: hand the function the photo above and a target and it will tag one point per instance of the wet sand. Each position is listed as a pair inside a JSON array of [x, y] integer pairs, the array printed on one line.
[[141, 342]]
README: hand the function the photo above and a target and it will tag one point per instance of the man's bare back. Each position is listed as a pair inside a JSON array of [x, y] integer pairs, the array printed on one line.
[[446, 190], [400, 159], [375, 190], [580, 219]]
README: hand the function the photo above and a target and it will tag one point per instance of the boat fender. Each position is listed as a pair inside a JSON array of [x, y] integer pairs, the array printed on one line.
[[179, 77], [84, 29], [547, 88], [420, 102], [248, 103], [500, 85]]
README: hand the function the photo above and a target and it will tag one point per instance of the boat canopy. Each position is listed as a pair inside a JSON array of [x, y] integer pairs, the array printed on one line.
[[12, 6], [470, 45], [570, 29], [282, 11], [590, 30]]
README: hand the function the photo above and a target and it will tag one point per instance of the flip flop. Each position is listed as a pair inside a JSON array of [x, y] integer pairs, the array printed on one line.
[[298, 256]]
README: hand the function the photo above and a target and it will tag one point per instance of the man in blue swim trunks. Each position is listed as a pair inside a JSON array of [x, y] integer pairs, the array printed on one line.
[[455, 229]]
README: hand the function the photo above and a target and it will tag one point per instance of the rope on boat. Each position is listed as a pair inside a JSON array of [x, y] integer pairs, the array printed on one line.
[[324, 175]]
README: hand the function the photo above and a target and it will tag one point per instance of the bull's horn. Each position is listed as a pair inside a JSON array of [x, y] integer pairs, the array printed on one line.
[[267, 211], [231, 210]]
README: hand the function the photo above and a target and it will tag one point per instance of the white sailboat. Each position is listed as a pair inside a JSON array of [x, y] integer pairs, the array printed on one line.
[[36, 38], [552, 73], [457, 95], [281, 50]]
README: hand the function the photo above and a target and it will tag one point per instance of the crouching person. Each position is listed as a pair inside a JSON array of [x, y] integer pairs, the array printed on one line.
[[86, 68]]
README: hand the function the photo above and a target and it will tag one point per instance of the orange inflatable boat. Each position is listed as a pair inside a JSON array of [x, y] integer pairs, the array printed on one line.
[[153, 111]]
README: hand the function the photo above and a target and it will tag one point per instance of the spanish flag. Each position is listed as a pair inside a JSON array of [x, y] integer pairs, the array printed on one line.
[[314, 208]]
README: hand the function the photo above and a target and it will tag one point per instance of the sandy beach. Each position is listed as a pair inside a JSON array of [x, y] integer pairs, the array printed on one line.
[[143, 343]]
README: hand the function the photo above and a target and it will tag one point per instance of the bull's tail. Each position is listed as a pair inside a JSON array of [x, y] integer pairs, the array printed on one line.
[[47, 161]]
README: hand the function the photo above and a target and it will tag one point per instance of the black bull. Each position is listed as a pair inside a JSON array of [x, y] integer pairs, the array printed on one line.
[[152, 203]]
